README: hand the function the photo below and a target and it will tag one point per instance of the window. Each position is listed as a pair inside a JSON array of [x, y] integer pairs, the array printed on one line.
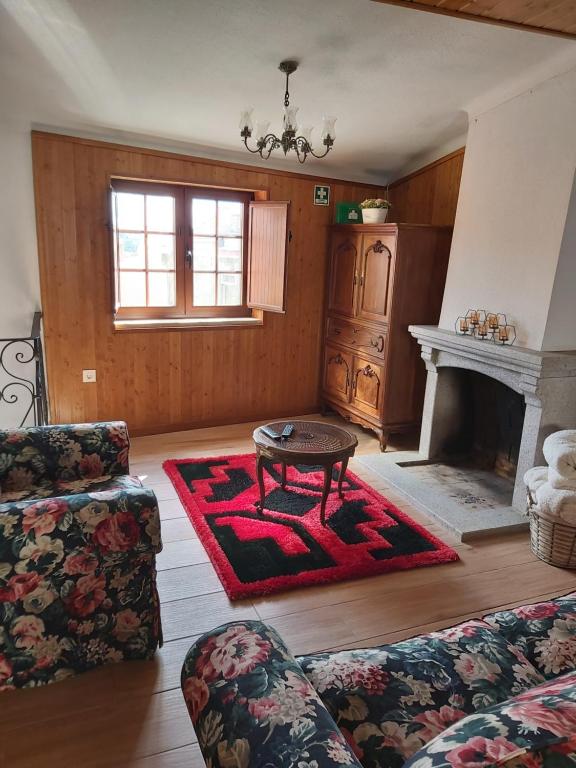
[[179, 251]]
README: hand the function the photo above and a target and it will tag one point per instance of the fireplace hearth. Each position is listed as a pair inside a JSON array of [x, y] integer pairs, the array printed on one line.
[[487, 411]]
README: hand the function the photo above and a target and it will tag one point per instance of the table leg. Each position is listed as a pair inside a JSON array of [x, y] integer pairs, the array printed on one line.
[[342, 475], [260, 473], [283, 475], [325, 492]]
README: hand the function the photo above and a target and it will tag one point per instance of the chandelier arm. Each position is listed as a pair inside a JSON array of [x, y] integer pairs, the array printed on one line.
[[271, 140], [254, 151], [328, 148], [301, 145], [301, 157]]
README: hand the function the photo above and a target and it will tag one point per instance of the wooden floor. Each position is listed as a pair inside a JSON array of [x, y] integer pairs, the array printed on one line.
[[133, 714]]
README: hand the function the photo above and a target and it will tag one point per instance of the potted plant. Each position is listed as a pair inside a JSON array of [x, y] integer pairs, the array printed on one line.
[[375, 210]]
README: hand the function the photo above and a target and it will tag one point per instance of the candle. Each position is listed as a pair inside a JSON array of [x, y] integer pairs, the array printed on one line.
[[492, 321], [464, 325], [474, 317], [503, 333], [482, 330]]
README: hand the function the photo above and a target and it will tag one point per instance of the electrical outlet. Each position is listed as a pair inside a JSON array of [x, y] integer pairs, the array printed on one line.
[[89, 376]]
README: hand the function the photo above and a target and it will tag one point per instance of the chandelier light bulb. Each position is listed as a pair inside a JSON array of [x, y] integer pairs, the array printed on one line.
[[290, 140], [328, 130], [246, 119], [262, 129], [290, 123]]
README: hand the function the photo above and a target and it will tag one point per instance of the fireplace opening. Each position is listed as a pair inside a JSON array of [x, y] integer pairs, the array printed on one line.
[[477, 429], [487, 425]]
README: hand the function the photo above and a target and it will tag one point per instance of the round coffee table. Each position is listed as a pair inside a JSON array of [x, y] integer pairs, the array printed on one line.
[[311, 443]]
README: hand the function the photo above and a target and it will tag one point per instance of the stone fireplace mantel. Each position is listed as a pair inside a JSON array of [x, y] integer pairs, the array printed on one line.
[[546, 380]]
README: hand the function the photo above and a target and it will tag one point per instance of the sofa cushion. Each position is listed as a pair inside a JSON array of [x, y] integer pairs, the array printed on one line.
[[389, 701], [69, 488], [536, 728], [31, 456], [546, 633]]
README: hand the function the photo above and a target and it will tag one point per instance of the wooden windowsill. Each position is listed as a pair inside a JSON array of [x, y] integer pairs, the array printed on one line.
[[190, 323]]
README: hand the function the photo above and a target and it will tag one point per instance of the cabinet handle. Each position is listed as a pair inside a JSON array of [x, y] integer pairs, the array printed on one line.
[[361, 279], [355, 277], [378, 343]]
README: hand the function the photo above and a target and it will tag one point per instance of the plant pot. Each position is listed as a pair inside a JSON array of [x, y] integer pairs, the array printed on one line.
[[374, 215]]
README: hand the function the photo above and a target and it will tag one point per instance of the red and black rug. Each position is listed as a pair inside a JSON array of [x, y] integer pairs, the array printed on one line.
[[287, 546]]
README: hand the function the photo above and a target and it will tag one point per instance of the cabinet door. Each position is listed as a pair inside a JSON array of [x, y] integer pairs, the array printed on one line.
[[337, 374], [342, 286], [367, 386], [376, 265]]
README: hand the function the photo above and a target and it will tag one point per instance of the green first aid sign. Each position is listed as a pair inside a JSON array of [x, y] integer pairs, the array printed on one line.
[[321, 194]]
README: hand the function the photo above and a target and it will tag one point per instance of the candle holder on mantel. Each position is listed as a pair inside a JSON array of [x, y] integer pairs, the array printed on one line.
[[486, 325]]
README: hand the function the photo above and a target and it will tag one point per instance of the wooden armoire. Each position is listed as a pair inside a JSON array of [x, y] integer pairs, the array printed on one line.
[[382, 278]]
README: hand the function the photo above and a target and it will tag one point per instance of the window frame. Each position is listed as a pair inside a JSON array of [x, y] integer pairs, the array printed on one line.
[[183, 195]]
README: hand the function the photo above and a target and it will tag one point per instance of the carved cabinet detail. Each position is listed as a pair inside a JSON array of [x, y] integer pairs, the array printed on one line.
[[337, 372], [366, 385]]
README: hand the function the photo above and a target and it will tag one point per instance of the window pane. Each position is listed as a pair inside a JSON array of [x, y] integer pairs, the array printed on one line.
[[161, 252], [161, 289], [130, 211], [229, 289], [230, 254], [204, 293], [131, 251], [160, 213], [204, 216], [132, 289], [230, 216], [205, 254]]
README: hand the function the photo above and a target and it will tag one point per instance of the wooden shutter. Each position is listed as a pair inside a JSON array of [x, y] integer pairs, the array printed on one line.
[[267, 255]]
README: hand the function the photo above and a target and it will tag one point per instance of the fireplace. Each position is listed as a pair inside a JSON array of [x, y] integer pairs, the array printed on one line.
[[487, 410]]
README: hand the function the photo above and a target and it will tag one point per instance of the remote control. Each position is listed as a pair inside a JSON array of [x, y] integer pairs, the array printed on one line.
[[270, 433], [287, 431]]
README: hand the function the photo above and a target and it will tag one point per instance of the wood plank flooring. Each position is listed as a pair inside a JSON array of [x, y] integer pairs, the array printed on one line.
[[132, 715]]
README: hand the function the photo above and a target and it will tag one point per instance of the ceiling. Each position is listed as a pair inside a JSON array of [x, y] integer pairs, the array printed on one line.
[[550, 16], [175, 74]]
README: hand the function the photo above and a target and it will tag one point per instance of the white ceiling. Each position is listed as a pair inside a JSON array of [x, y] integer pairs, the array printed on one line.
[[176, 73]]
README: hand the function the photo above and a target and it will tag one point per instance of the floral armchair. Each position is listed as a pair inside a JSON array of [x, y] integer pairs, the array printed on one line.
[[78, 544], [494, 692]]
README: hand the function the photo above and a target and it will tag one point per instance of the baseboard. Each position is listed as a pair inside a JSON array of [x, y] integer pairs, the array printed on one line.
[[159, 429]]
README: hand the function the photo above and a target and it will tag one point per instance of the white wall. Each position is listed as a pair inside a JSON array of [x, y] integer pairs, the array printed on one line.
[[516, 184], [561, 326], [19, 285]]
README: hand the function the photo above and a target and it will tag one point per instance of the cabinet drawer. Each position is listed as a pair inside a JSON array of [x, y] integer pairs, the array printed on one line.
[[365, 340]]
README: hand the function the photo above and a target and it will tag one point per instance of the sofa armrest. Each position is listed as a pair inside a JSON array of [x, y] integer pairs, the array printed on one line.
[[253, 707], [46, 535], [37, 455]]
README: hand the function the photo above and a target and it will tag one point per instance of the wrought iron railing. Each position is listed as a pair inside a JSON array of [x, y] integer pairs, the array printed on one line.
[[22, 380]]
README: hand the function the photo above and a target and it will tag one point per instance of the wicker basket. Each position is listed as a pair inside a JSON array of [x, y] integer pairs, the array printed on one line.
[[551, 541]]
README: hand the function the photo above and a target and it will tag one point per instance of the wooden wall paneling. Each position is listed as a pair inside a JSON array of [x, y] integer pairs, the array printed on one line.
[[165, 380], [429, 195]]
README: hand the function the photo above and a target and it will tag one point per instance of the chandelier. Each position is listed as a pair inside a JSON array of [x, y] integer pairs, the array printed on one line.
[[266, 142]]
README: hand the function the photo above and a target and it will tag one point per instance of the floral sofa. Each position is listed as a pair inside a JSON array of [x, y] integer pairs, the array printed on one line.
[[78, 540], [500, 691]]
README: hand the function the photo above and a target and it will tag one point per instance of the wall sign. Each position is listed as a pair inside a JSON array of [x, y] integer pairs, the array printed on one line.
[[321, 194]]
